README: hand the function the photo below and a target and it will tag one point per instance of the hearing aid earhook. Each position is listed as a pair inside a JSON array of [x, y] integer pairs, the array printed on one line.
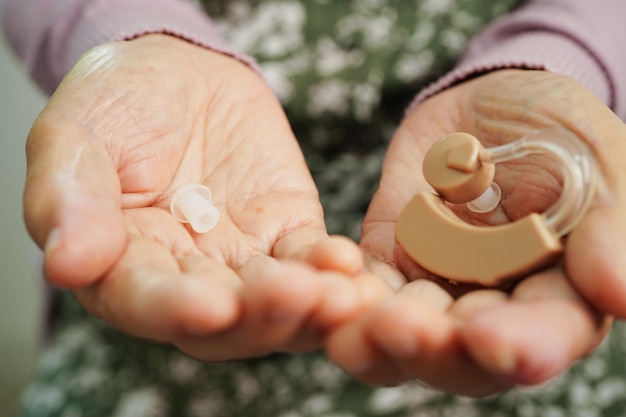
[[461, 170]]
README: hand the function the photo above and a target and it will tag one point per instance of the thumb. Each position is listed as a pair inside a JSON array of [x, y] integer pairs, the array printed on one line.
[[595, 259], [72, 203], [595, 250]]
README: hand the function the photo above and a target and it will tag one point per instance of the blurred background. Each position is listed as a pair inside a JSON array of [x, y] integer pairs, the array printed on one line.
[[20, 277]]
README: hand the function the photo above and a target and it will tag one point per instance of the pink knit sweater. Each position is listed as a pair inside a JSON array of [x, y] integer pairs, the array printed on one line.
[[578, 38]]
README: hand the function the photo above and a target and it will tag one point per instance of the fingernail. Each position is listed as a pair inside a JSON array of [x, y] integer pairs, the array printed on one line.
[[53, 241]]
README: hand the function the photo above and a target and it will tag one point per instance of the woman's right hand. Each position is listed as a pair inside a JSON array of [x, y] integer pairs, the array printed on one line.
[[132, 122]]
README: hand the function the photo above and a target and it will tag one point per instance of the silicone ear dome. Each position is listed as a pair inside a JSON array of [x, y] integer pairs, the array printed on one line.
[[192, 204]]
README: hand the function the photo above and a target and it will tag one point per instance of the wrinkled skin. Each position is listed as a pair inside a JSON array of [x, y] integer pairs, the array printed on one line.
[[477, 342], [130, 123], [133, 121]]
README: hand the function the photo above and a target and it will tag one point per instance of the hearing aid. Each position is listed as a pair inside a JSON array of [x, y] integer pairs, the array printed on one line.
[[461, 170]]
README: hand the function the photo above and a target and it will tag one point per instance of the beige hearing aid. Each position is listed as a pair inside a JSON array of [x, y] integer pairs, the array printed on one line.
[[461, 170]]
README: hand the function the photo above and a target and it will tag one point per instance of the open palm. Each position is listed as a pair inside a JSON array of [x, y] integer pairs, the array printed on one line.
[[477, 342], [131, 123]]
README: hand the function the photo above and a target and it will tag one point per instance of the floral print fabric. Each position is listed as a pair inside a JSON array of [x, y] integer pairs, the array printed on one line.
[[344, 71]]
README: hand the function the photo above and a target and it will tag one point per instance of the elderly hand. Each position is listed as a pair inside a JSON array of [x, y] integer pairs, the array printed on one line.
[[474, 341], [129, 124]]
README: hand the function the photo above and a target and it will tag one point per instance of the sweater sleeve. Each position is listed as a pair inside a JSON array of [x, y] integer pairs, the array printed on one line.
[[50, 35], [577, 38]]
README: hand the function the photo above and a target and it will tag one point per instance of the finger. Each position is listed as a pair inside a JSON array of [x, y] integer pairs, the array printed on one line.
[[398, 328], [147, 295], [373, 289], [351, 349], [72, 203], [198, 265], [595, 259], [594, 254], [540, 333], [314, 246], [555, 284], [343, 298], [385, 272], [475, 301], [410, 337], [277, 301], [337, 311]]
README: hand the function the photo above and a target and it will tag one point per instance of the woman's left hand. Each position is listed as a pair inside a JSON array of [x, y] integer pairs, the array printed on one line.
[[474, 341]]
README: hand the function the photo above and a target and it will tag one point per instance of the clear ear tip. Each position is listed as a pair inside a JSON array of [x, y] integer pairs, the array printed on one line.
[[487, 201], [192, 204]]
